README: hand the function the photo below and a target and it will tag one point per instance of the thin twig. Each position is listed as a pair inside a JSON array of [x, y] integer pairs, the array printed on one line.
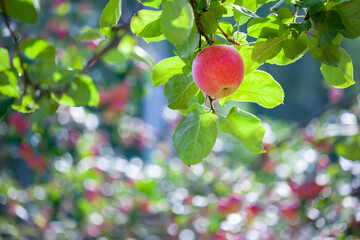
[[227, 37], [15, 39], [113, 43]]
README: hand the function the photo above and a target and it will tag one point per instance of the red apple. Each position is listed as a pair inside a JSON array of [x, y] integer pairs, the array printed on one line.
[[218, 70]]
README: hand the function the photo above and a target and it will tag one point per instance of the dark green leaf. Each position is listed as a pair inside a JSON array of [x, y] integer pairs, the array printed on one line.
[[146, 24], [202, 4], [195, 136], [22, 10], [176, 20], [329, 54], [311, 5], [110, 16], [349, 13], [259, 87], [165, 69], [340, 76], [209, 22], [349, 148], [5, 103], [179, 91], [245, 127], [327, 25]]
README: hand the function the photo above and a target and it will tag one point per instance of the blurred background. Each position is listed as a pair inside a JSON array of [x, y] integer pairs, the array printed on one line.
[[111, 172]]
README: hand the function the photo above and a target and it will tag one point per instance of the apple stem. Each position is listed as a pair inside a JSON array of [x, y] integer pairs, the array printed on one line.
[[212, 109]]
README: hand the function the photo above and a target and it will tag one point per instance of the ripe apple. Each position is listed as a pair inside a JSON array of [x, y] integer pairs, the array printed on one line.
[[218, 70]]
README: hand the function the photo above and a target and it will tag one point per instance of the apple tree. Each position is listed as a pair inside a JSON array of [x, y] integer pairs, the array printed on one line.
[[35, 80]]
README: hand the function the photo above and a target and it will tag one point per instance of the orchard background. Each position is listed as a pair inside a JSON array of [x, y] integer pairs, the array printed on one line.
[[105, 135]]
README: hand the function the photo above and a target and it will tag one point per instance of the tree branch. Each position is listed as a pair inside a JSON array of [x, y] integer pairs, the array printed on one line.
[[199, 25], [227, 37], [113, 43], [15, 39]]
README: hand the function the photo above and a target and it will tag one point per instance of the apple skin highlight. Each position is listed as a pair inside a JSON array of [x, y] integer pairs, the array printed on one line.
[[218, 70]]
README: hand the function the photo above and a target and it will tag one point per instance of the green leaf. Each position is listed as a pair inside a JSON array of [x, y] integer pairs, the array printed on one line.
[[258, 25], [292, 50], [81, 92], [47, 107], [195, 136], [246, 54], [202, 4], [259, 87], [245, 127], [5, 103], [187, 50], [209, 22], [146, 24], [311, 5], [176, 20], [110, 16], [39, 61], [25, 105], [9, 84], [165, 69], [88, 34], [4, 59], [22, 10], [265, 50], [329, 54], [33, 47], [349, 148], [179, 91], [340, 76], [286, 15], [349, 13], [151, 3], [327, 25]]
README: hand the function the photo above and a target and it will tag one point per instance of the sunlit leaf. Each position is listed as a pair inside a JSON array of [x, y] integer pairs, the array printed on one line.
[[110, 16], [340, 76], [245, 127], [176, 20], [165, 69], [146, 24], [259, 87]]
